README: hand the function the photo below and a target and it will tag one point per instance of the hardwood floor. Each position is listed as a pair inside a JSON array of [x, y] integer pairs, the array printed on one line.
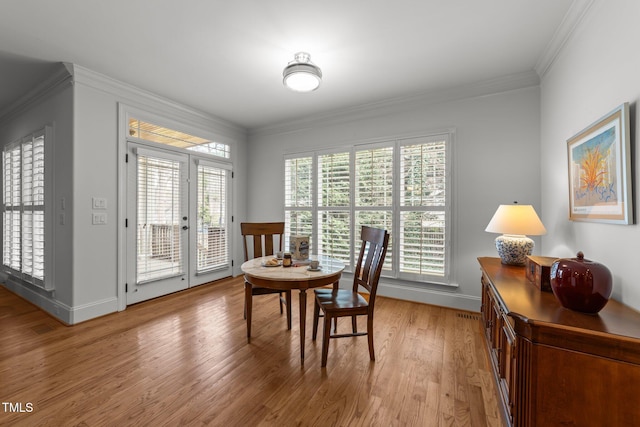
[[184, 359]]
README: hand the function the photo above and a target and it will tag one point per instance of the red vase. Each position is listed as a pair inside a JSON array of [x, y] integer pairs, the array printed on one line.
[[581, 284]]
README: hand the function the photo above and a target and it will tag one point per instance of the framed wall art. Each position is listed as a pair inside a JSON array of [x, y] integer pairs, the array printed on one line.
[[600, 170]]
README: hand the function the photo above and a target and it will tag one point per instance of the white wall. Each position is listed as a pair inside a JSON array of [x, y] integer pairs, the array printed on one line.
[[500, 139], [50, 103], [85, 118], [496, 160], [95, 175], [96, 164], [597, 70]]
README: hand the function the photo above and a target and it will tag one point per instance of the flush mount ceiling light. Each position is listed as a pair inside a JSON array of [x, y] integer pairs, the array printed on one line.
[[302, 75]]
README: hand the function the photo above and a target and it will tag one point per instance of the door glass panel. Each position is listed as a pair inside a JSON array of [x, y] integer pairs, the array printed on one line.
[[159, 246], [212, 250]]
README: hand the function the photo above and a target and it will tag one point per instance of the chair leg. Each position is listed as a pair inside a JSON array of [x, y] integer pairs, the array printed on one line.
[[316, 315], [354, 324], [247, 303], [325, 339], [336, 286], [287, 296], [280, 301], [372, 354]]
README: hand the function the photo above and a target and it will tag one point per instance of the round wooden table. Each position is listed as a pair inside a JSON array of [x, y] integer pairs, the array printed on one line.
[[297, 276]]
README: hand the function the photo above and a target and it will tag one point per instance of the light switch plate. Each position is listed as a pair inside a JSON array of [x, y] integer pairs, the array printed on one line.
[[99, 203], [99, 218]]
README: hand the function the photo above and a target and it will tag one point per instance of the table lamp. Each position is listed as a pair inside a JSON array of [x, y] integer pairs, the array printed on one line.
[[514, 222]]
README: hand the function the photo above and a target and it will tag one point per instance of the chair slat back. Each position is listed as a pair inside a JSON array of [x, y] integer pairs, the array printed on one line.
[[370, 260], [260, 237]]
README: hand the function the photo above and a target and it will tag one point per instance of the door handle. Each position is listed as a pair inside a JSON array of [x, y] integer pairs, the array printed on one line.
[[185, 227]]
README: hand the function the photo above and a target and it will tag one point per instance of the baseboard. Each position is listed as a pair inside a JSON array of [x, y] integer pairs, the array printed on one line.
[[55, 308], [416, 293], [61, 311], [430, 296], [94, 309]]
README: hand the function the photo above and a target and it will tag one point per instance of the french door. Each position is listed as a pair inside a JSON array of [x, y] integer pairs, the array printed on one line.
[[178, 211]]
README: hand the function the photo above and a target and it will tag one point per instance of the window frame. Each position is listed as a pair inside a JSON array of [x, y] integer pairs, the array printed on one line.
[[396, 208], [46, 282], [302, 208], [446, 209], [350, 260]]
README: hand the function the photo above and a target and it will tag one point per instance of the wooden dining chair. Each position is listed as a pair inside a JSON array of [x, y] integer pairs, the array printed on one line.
[[258, 240], [335, 303]]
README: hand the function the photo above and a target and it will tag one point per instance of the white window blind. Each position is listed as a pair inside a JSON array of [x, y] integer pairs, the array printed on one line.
[[23, 208], [212, 218], [159, 240], [399, 185]]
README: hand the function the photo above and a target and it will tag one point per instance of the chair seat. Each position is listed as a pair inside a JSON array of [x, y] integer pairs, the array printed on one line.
[[340, 299], [256, 290]]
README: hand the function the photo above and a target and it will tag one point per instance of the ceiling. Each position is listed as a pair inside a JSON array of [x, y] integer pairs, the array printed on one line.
[[225, 57]]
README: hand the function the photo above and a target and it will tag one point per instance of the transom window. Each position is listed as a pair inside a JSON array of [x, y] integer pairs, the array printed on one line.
[[400, 185], [162, 135]]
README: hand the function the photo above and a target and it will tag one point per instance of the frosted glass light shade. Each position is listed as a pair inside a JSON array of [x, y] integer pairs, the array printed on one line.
[[514, 221], [302, 75]]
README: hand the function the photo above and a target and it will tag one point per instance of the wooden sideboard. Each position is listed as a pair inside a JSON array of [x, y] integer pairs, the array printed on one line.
[[554, 366]]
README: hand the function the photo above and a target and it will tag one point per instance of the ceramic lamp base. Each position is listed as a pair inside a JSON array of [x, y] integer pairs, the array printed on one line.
[[513, 249]]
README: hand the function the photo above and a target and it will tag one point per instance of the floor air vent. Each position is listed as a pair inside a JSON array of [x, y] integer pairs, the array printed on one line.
[[469, 316]]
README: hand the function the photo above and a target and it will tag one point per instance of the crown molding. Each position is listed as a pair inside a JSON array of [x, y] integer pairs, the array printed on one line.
[[399, 104], [71, 74], [142, 98], [572, 19], [57, 81]]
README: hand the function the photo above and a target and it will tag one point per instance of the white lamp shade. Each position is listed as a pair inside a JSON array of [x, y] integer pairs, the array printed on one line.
[[516, 219]]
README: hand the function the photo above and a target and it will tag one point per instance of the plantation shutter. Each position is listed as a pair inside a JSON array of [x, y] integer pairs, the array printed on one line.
[[374, 194], [298, 195], [334, 204], [400, 185], [423, 207], [23, 209], [12, 201]]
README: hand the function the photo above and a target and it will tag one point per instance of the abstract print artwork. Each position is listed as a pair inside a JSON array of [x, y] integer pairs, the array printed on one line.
[[599, 171]]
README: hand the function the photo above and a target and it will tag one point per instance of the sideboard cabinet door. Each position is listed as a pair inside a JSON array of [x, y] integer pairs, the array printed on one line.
[[501, 343]]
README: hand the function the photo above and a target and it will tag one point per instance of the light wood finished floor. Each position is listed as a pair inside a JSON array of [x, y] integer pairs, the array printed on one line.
[[184, 360]]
